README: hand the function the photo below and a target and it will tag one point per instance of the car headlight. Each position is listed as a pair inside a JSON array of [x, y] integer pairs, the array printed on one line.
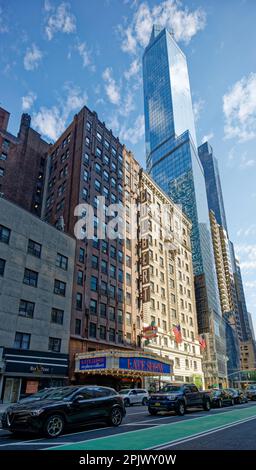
[[171, 397], [37, 412]]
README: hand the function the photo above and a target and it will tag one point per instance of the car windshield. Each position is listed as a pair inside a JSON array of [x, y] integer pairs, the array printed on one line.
[[61, 393], [215, 393], [124, 392], [170, 388]]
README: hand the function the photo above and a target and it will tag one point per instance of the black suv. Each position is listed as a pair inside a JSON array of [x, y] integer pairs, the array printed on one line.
[[65, 406], [178, 398]]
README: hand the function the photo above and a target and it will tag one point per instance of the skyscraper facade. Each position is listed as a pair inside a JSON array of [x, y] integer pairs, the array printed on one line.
[[213, 183], [173, 162]]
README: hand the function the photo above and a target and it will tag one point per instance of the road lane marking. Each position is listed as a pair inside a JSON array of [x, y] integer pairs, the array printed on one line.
[[201, 434]]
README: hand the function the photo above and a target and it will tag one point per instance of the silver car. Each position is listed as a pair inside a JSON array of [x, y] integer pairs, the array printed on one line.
[[134, 396]]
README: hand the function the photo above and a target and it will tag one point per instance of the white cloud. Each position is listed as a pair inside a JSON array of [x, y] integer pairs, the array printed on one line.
[[60, 20], [207, 137], [133, 70], [47, 5], [239, 107], [84, 53], [248, 232], [28, 101], [127, 106], [247, 162], [134, 133], [111, 87], [247, 255], [32, 57], [51, 122], [3, 26], [198, 107], [170, 14]]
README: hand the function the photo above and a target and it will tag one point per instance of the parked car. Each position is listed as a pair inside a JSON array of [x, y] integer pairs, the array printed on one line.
[[134, 396], [251, 392], [178, 398], [41, 395], [221, 398], [238, 395], [64, 407]]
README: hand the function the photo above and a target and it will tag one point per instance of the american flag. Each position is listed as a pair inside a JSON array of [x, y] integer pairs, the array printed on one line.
[[202, 342], [177, 333]]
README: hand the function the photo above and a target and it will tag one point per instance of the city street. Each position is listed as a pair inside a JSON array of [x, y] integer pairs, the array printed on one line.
[[228, 428]]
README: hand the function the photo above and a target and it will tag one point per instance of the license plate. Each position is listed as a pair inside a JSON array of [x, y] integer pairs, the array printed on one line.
[[157, 404]]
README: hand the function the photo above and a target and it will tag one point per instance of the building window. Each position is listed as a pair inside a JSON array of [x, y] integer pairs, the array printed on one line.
[[86, 159], [22, 340], [92, 330], [103, 332], [1, 171], [98, 168], [85, 194], [120, 316], [30, 277], [79, 301], [97, 185], [111, 313], [2, 266], [88, 126], [62, 261], [95, 262], [112, 335], [80, 278], [112, 292], [186, 363], [54, 344], [195, 365], [94, 284], [104, 266], [120, 336], [26, 308], [81, 255], [128, 261], [4, 234], [59, 287], [93, 307], [103, 310], [87, 141], [3, 156], [98, 152], [78, 326], [177, 362], [112, 271], [128, 279], [112, 252], [128, 319], [85, 176], [57, 316], [128, 298], [103, 288]]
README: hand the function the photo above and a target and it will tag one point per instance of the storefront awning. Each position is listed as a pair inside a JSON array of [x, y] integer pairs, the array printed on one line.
[[123, 363]]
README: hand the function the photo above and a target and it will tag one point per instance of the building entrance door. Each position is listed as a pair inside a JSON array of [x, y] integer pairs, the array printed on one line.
[[11, 390]]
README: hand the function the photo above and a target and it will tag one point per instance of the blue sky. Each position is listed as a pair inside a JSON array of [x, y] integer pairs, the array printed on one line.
[[55, 56]]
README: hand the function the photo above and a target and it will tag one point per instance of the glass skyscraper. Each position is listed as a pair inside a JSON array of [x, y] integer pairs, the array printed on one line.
[[173, 162], [213, 183]]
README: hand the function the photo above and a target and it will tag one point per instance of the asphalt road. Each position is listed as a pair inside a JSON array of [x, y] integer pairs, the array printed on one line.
[[228, 428]]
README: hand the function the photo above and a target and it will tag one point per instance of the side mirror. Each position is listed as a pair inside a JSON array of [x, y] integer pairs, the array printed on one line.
[[78, 398]]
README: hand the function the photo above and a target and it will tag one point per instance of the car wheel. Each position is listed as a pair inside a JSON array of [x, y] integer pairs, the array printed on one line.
[[207, 405], [180, 409], [53, 426], [144, 401], [152, 412], [219, 404], [116, 416], [127, 402]]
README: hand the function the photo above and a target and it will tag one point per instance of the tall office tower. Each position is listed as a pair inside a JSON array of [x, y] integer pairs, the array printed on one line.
[[173, 162], [167, 286], [213, 183], [220, 232], [251, 325], [22, 164], [86, 162]]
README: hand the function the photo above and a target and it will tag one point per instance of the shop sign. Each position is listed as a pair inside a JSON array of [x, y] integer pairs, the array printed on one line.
[[92, 363], [144, 365]]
